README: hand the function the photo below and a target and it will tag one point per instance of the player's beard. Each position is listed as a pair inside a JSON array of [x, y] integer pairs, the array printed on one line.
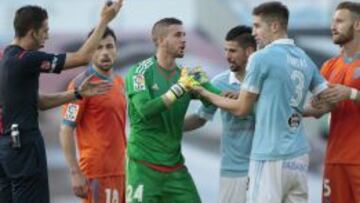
[[345, 37]]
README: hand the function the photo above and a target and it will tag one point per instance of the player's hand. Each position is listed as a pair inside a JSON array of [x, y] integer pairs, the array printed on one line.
[[111, 9], [199, 75], [79, 184], [186, 80], [230, 94], [335, 93], [198, 89], [93, 88]]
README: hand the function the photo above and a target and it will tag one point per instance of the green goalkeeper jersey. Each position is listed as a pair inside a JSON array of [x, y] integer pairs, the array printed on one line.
[[155, 130]]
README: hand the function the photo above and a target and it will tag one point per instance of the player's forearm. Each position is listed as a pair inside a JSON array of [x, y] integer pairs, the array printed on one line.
[[231, 105], [148, 108], [313, 112], [193, 122], [48, 101], [68, 146]]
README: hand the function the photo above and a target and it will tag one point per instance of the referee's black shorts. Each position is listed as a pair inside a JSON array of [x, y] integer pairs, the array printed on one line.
[[23, 172]]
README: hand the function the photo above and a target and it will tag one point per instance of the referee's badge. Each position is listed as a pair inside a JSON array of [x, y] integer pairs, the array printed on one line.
[[139, 82], [71, 112]]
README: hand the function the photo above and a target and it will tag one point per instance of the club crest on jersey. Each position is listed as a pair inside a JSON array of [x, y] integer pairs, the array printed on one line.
[[71, 112], [139, 82], [294, 120], [356, 74]]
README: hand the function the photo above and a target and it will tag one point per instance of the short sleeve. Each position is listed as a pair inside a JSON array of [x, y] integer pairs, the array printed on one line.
[[256, 72], [326, 68], [206, 112], [37, 61], [317, 83], [72, 112]]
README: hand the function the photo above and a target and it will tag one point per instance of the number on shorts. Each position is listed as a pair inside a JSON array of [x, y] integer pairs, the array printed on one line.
[[136, 195], [326, 188], [112, 195]]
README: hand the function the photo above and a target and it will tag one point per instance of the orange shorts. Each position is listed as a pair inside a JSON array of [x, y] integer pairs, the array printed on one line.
[[341, 183], [106, 190]]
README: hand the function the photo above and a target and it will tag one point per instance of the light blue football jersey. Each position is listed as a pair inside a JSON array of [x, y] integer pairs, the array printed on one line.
[[237, 132], [281, 74]]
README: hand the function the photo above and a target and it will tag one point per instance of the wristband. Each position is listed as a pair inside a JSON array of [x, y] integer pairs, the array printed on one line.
[[353, 93], [177, 90], [77, 94], [170, 96]]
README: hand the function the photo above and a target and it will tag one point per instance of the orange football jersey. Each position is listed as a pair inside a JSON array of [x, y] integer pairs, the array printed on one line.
[[344, 137], [100, 127]]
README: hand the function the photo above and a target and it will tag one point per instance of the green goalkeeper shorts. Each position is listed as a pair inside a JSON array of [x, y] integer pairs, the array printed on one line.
[[146, 185]]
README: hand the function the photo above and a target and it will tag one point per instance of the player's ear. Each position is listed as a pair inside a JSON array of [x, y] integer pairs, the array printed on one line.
[[357, 25], [31, 33], [275, 26]]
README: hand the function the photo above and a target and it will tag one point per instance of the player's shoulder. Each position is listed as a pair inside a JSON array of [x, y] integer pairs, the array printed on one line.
[[331, 63], [260, 55], [119, 78], [142, 67], [79, 78], [221, 77]]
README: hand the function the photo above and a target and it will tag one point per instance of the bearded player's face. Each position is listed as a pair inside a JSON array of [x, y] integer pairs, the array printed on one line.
[[342, 27], [105, 55], [174, 41]]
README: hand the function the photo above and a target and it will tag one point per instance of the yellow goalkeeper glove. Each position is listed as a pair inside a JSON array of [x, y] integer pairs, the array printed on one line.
[[199, 75], [184, 84]]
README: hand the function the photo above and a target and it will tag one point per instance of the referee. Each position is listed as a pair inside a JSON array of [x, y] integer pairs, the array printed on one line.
[[23, 167]]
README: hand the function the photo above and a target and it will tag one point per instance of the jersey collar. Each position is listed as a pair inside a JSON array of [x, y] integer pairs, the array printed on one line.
[[233, 79], [92, 70], [285, 41], [348, 60]]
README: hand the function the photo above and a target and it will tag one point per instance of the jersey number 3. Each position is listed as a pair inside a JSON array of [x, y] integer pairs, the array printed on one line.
[[298, 80]]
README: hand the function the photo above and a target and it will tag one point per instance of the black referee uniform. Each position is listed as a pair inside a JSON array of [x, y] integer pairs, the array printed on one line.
[[23, 170]]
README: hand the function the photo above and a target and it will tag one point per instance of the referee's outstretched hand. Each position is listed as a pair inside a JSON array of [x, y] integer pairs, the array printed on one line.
[[90, 88], [111, 9]]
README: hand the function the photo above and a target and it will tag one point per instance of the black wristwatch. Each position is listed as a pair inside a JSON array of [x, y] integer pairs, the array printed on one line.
[[77, 94]]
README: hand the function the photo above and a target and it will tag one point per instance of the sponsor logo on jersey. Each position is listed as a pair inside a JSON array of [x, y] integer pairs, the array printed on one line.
[[155, 87], [71, 112], [139, 82]]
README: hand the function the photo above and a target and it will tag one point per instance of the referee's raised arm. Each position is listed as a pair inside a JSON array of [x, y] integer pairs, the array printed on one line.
[[84, 54]]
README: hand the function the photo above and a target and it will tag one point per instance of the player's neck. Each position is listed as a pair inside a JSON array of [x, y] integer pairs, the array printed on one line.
[[353, 47], [279, 35], [240, 74], [102, 72], [165, 60], [23, 42]]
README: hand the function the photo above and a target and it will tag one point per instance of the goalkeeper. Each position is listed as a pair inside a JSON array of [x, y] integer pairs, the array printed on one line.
[[158, 98]]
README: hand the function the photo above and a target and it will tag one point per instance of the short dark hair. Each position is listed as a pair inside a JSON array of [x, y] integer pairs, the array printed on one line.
[[27, 18], [273, 10], [242, 35], [108, 32], [353, 7], [158, 28]]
